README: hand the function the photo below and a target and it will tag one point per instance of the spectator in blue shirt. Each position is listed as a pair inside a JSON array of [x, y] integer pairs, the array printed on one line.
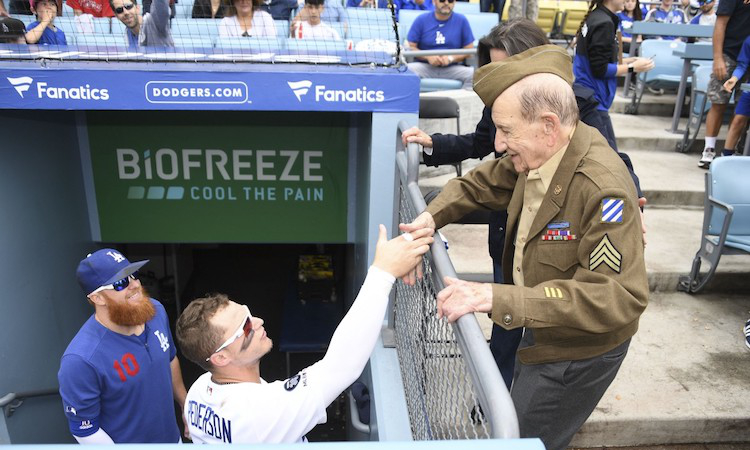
[[43, 30], [631, 12], [439, 30], [367, 4], [666, 14]]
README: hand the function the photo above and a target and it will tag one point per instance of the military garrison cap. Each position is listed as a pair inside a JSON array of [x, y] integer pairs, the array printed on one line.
[[492, 79]]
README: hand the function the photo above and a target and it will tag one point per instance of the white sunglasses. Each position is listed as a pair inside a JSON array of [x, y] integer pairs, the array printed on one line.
[[245, 329]]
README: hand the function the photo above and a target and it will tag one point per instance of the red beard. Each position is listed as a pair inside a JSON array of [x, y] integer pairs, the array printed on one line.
[[126, 313]]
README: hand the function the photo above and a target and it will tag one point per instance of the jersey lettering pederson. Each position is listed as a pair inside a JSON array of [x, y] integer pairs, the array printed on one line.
[[278, 412], [121, 384]]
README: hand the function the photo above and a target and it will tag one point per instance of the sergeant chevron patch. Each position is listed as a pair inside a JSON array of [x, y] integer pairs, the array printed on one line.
[[605, 253]]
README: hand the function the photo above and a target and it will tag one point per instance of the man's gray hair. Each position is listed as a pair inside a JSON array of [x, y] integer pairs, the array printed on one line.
[[543, 93]]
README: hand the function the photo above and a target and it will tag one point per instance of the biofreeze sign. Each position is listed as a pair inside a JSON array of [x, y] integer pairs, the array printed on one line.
[[251, 177]]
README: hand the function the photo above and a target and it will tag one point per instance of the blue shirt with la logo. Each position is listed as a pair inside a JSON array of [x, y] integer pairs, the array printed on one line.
[[432, 34], [121, 384]]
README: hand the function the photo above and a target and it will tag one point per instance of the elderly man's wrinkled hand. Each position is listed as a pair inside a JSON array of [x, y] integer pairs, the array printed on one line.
[[414, 134], [400, 255], [463, 297]]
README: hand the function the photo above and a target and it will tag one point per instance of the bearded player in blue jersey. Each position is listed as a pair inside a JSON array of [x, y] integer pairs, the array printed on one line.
[[120, 376]]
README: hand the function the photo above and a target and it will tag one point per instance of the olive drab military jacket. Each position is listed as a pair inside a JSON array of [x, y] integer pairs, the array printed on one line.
[[584, 272]]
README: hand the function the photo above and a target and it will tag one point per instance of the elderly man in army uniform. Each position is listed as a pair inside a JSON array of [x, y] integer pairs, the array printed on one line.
[[574, 251]]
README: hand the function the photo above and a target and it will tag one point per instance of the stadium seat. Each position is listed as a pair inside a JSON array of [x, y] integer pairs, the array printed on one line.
[[195, 27], [184, 9], [547, 19], [441, 108], [405, 20], [67, 11], [100, 40], [193, 42], [315, 45], [24, 18], [467, 8], [699, 106], [67, 25], [361, 33], [571, 20], [282, 28], [103, 25], [666, 73], [481, 23], [118, 27], [369, 17], [438, 84], [256, 44], [726, 218]]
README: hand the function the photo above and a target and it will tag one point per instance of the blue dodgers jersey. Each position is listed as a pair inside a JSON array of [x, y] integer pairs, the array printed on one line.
[[49, 37], [430, 34], [121, 384]]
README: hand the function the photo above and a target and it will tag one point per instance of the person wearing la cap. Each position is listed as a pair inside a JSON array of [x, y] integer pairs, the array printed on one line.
[[573, 256], [120, 376], [11, 31]]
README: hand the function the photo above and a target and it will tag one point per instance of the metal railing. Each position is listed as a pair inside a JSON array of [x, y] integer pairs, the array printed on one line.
[[453, 387], [10, 402]]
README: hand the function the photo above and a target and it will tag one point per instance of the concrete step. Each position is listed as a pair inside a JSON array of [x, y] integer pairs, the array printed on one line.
[[651, 104], [685, 380]]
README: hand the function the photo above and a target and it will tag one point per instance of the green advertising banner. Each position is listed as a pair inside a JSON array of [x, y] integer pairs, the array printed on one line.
[[219, 176]]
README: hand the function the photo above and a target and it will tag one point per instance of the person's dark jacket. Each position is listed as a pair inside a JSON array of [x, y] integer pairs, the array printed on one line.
[[595, 62]]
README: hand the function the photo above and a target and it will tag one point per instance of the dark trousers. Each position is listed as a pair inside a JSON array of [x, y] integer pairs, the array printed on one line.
[[503, 343], [484, 6], [553, 400]]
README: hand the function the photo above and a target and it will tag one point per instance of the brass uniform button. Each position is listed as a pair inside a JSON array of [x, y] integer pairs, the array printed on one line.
[[507, 319]]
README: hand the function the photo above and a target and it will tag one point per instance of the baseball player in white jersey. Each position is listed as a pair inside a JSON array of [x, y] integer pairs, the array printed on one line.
[[231, 403]]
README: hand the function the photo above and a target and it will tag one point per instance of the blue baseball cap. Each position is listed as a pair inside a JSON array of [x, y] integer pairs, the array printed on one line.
[[104, 267]]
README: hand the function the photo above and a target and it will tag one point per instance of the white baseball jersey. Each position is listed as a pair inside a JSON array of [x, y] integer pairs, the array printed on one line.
[[283, 411]]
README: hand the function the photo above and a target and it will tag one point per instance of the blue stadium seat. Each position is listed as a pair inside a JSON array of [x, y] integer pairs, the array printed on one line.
[[100, 40], [358, 33], [405, 20], [481, 24], [187, 27], [467, 8], [369, 17], [667, 69], [67, 25], [193, 42], [315, 45], [726, 218], [256, 44], [103, 25], [282, 28], [438, 84], [67, 11], [24, 18], [118, 27], [184, 9]]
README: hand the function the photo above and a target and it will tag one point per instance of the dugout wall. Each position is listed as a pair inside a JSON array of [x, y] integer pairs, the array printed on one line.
[[96, 153]]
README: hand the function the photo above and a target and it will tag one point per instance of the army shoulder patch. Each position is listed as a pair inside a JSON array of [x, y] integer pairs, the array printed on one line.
[[605, 253], [612, 210]]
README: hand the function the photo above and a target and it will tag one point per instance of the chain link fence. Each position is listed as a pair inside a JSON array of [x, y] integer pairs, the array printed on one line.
[[453, 387]]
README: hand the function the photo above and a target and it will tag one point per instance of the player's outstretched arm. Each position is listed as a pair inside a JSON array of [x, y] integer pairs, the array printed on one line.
[[100, 437], [355, 337]]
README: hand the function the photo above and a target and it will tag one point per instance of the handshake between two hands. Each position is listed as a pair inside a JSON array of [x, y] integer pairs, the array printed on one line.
[[402, 258]]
